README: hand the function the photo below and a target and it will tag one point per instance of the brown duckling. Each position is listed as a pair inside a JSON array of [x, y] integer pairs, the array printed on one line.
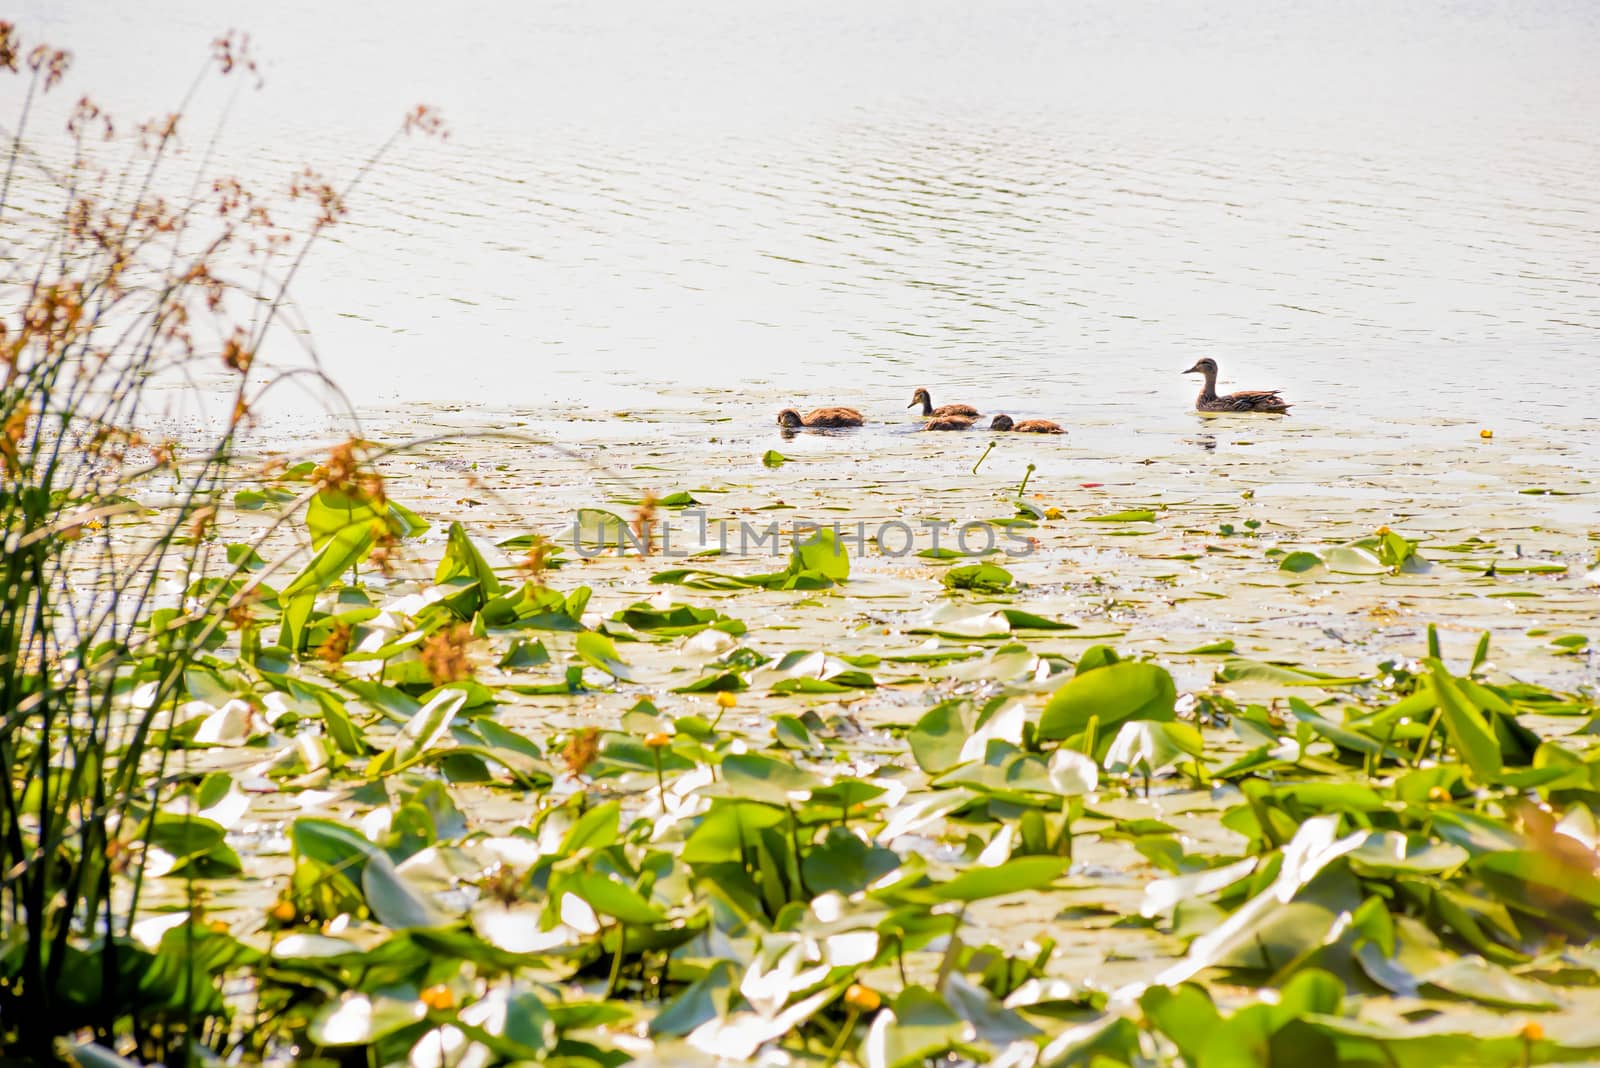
[[820, 417], [1027, 426], [1246, 400], [921, 397], [948, 422]]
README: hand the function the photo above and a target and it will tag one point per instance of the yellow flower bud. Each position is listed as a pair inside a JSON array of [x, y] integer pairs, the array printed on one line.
[[863, 999], [284, 911], [439, 998], [1532, 1031], [725, 699], [658, 740], [1488, 435]]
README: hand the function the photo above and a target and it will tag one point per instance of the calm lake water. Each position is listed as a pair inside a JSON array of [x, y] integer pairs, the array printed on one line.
[[1391, 212]]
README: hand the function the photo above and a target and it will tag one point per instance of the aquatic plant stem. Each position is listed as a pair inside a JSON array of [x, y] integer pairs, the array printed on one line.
[[1025, 476], [982, 458], [844, 1036], [1427, 736], [616, 961], [948, 962]]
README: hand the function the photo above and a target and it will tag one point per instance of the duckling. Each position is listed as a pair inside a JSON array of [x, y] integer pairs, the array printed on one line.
[[820, 417], [1246, 400], [921, 397], [948, 422], [1027, 426]]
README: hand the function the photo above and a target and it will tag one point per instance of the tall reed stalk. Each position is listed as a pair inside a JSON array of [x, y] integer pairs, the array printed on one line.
[[112, 581]]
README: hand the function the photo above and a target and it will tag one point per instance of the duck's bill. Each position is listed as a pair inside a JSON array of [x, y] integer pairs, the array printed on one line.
[[1193, 370]]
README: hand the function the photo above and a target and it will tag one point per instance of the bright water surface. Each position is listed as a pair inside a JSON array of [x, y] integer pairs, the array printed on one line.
[[698, 212], [1391, 211]]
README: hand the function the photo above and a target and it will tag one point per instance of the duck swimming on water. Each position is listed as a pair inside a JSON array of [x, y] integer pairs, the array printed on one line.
[[949, 422], [1027, 426], [921, 397], [820, 417], [1246, 400]]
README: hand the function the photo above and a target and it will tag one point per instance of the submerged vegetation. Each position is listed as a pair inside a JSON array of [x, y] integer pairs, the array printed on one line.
[[297, 773]]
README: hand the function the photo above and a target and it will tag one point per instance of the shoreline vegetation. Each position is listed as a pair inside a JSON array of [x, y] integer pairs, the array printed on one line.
[[428, 754]]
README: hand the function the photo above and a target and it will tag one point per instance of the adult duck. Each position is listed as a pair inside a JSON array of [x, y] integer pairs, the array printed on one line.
[[921, 397], [820, 417], [1027, 426], [1246, 400]]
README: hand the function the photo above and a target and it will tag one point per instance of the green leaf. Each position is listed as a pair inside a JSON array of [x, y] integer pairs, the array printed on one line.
[[462, 559], [844, 863], [1468, 731], [1216, 648], [773, 458], [359, 1020], [820, 554], [393, 901], [344, 849], [338, 554], [612, 898], [938, 737], [1475, 978], [1300, 561], [1137, 515], [919, 1028], [704, 999], [1126, 690], [421, 733], [1152, 746], [983, 578], [1012, 877], [598, 651], [597, 529]]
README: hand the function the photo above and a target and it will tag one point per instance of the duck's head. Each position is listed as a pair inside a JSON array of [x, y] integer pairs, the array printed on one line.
[[919, 397], [1002, 422], [1207, 366], [789, 417]]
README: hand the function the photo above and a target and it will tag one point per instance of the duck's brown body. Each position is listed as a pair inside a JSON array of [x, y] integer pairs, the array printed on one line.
[[1265, 401], [821, 417], [921, 397], [1027, 426], [949, 422]]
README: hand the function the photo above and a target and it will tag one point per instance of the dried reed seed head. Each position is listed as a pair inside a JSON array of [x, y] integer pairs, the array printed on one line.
[[644, 522], [581, 750], [205, 519], [10, 46], [383, 553], [339, 471], [308, 184], [444, 654], [537, 559], [426, 120], [240, 611], [11, 435], [86, 115], [236, 355], [337, 645], [51, 62], [232, 52]]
